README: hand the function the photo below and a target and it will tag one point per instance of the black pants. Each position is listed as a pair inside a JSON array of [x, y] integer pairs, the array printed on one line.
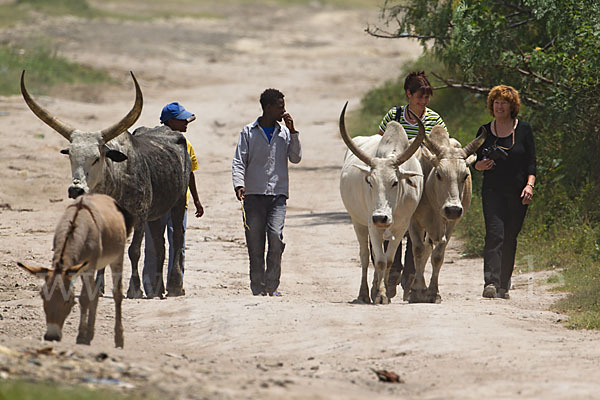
[[399, 273], [504, 214]]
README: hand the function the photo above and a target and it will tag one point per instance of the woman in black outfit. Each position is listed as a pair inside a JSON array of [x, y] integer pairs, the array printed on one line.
[[507, 159]]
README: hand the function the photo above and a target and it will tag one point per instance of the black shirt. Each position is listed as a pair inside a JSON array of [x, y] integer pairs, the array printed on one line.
[[510, 175]]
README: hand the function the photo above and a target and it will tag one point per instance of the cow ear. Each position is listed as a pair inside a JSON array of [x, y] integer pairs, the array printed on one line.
[[429, 156], [471, 159], [76, 270], [64, 151], [402, 174], [363, 168], [115, 155], [40, 272]]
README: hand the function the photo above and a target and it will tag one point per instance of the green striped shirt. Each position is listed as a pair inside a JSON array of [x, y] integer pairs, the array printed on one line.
[[430, 120]]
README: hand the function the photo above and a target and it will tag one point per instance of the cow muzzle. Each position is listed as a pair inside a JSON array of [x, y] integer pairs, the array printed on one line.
[[53, 333], [381, 220], [452, 212], [75, 191]]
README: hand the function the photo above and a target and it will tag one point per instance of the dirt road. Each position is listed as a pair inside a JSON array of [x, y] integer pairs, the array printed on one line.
[[218, 341]]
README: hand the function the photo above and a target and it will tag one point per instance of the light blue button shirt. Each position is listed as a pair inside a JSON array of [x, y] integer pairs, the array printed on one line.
[[262, 167]]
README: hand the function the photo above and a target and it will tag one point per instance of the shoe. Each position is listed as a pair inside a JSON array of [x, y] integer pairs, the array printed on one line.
[[489, 292], [275, 293], [503, 294]]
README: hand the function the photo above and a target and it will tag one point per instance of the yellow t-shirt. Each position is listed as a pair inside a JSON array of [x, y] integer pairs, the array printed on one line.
[[190, 151]]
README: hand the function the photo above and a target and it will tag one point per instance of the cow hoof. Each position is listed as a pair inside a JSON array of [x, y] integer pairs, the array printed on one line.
[[406, 295], [175, 292], [381, 300], [133, 293], [434, 297], [390, 291], [418, 296], [81, 340], [362, 299]]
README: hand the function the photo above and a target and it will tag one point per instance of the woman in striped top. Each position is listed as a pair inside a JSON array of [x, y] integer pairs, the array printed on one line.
[[418, 91]]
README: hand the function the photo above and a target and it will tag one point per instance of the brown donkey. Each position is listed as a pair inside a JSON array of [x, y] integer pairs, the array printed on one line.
[[90, 235]]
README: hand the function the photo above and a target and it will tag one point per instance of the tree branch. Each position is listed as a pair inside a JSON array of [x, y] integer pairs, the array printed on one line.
[[513, 6], [478, 89], [521, 23], [379, 33]]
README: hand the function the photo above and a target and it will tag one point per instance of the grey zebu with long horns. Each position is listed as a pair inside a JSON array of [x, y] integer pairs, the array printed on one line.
[[146, 172], [381, 185], [446, 199]]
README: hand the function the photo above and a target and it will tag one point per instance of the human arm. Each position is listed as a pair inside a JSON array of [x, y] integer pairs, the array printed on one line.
[[239, 164], [194, 192], [240, 192], [483, 163], [390, 116], [294, 149], [527, 192], [192, 183]]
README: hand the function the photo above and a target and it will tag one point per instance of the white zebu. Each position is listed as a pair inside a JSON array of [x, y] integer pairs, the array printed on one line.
[[446, 199], [381, 185]]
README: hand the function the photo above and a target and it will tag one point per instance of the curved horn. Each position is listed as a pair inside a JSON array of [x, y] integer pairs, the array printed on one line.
[[414, 146], [53, 122], [361, 155], [475, 143], [110, 133]]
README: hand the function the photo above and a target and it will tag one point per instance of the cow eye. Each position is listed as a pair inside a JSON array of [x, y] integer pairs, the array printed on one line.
[[96, 161], [367, 180], [395, 184], [466, 176], [437, 175]]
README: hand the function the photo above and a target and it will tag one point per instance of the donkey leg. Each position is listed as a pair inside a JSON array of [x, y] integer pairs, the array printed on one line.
[[117, 278], [84, 302], [100, 282], [92, 314]]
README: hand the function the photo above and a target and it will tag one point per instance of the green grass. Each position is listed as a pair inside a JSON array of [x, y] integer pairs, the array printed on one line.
[[45, 69], [80, 8], [21, 390]]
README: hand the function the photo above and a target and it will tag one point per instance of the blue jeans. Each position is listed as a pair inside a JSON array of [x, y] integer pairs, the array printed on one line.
[[150, 256], [265, 216]]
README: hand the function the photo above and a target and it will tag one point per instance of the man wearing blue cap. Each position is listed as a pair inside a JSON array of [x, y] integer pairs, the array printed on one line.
[[260, 180], [176, 117]]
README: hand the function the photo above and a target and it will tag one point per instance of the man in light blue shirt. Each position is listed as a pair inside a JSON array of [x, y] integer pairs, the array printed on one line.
[[260, 180]]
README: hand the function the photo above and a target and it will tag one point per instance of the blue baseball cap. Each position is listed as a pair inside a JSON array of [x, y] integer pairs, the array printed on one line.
[[177, 111]]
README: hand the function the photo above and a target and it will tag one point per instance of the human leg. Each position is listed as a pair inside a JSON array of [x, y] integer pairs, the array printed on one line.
[[395, 271], [275, 222], [256, 221], [493, 213], [408, 273], [514, 223], [171, 248], [153, 238]]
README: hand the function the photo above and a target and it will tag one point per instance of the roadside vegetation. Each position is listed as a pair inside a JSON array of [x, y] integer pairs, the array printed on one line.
[[45, 69], [548, 51], [22, 390]]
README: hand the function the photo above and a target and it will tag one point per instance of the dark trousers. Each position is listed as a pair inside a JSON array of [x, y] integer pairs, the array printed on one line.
[[409, 265], [504, 215], [398, 273], [265, 216]]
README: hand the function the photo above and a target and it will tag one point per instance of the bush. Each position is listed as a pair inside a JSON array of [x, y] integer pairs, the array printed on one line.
[[45, 68]]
